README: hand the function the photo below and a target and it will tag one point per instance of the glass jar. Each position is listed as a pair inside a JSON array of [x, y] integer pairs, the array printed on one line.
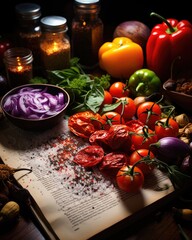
[[28, 29], [86, 32], [19, 66], [55, 48]]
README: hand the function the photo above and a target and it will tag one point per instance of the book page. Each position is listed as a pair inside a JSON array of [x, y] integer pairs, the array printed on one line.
[[78, 203]]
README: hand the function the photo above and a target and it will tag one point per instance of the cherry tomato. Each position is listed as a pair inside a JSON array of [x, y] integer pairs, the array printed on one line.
[[142, 138], [166, 127], [111, 118], [118, 89], [83, 124], [149, 113], [127, 108], [108, 99], [129, 181], [142, 154], [89, 156]]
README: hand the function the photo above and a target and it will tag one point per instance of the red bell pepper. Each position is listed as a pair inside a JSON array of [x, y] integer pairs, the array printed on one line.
[[168, 43]]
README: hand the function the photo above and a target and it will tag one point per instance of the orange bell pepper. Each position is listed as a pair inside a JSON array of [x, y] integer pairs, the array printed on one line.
[[121, 57]]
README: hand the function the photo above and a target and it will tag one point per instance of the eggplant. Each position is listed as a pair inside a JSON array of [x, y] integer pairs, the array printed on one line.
[[171, 150], [186, 165]]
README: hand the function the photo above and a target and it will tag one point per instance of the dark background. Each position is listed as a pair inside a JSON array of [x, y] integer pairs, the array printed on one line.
[[112, 12]]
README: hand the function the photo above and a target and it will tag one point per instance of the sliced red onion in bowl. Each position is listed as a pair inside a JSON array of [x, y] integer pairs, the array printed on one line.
[[33, 103]]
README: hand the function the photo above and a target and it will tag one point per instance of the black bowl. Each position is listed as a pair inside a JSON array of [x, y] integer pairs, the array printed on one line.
[[181, 100], [40, 123]]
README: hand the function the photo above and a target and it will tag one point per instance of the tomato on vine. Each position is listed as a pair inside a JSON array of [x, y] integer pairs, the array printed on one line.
[[111, 118], [148, 113], [127, 108], [130, 179], [143, 137], [166, 127], [118, 89], [145, 156], [108, 99]]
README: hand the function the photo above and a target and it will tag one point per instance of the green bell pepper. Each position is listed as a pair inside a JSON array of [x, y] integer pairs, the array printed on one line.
[[143, 82]]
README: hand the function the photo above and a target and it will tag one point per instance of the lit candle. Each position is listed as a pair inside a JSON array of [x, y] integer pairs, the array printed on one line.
[[18, 62]]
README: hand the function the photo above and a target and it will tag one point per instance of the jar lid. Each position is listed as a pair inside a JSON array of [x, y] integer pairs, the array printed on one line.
[[54, 24], [87, 4], [12, 55], [28, 11]]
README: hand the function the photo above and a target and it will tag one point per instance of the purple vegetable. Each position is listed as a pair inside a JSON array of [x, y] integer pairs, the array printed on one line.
[[170, 149], [186, 165], [33, 103]]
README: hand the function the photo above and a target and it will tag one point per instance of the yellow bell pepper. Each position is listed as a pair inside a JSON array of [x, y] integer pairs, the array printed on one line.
[[121, 57]]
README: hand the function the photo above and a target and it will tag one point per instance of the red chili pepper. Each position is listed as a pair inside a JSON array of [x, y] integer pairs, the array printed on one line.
[[168, 43]]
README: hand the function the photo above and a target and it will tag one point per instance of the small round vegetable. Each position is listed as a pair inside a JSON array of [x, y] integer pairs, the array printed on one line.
[[108, 99], [127, 108], [146, 156], [137, 31], [130, 180], [119, 89]]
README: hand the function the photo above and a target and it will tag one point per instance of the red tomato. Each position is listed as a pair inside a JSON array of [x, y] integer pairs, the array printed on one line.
[[83, 124], [127, 108], [118, 89], [149, 113], [142, 138], [89, 156], [108, 99], [142, 154], [130, 181], [111, 118], [166, 127], [134, 125]]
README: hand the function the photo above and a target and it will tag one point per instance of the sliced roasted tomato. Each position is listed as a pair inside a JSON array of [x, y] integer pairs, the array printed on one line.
[[83, 124], [100, 137], [112, 162], [89, 156], [119, 137]]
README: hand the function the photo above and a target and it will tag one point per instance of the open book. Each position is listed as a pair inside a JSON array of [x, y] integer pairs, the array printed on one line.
[[77, 203]]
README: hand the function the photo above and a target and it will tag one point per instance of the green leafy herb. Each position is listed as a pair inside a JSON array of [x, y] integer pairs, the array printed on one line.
[[86, 91]]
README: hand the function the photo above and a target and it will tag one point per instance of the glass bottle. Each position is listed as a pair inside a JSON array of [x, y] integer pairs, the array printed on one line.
[[28, 28], [86, 32], [19, 66], [55, 48]]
